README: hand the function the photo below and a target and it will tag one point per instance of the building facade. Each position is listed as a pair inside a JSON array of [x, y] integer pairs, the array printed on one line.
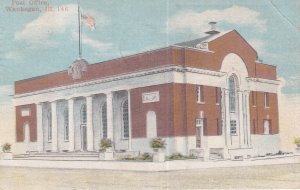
[[208, 96]]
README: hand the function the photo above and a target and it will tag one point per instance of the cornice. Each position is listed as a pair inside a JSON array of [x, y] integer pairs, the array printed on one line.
[[261, 80], [140, 73]]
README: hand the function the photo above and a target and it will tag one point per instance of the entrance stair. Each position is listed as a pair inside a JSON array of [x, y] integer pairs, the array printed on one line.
[[65, 156]]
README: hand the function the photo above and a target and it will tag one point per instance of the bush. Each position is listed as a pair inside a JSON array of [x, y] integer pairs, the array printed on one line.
[[105, 144], [178, 156], [146, 156], [297, 140], [6, 147], [157, 143]]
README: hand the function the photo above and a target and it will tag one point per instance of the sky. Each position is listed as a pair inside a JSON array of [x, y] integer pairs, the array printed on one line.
[[37, 43]]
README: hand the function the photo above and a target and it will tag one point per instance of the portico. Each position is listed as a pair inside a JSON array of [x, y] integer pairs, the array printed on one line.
[[79, 123]]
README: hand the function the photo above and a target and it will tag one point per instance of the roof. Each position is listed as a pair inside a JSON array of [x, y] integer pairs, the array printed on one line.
[[208, 38]]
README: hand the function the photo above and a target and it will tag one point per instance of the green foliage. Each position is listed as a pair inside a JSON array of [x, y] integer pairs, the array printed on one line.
[[145, 157], [157, 143], [105, 144], [6, 147], [178, 156]]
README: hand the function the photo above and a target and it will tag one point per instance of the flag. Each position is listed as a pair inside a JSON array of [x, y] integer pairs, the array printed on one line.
[[89, 21]]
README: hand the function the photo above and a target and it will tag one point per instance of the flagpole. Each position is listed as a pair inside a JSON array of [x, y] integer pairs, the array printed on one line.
[[79, 31]]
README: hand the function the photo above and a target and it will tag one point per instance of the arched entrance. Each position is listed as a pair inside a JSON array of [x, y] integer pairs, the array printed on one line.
[[151, 125]]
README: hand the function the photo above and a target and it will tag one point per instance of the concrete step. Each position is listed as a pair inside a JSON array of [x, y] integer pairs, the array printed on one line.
[[59, 158]]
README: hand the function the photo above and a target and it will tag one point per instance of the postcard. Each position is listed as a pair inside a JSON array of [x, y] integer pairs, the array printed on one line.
[[136, 94]]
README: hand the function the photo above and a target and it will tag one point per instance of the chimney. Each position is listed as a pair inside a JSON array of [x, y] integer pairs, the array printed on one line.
[[212, 28]]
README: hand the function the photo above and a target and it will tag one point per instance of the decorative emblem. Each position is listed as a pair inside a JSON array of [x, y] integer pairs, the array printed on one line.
[[150, 97], [202, 45], [78, 68]]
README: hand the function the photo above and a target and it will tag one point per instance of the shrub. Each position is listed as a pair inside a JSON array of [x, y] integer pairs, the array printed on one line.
[[157, 143], [297, 140], [6, 147], [146, 156], [105, 144], [178, 156]]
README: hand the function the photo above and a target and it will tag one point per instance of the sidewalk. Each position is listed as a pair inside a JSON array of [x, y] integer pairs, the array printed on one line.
[[147, 166]]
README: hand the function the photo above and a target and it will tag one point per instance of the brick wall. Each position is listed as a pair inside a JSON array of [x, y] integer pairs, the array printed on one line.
[[258, 112], [21, 120]]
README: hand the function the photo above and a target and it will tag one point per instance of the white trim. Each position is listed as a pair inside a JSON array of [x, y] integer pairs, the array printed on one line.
[[150, 77], [156, 70], [262, 80], [194, 48]]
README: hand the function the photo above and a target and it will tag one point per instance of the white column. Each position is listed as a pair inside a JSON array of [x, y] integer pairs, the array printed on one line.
[[248, 118], [223, 116], [89, 123], [129, 121], [227, 119], [241, 119], [109, 104], [54, 126], [71, 125], [39, 125]]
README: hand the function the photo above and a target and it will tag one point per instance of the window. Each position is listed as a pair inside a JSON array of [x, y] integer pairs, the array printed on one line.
[[200, 94], [201, 122], [151, 124], [49, 117], [233, 127], [198, 137], [125, 119], [26, 132], [267, 103], [104, 120], [83, 114], [200, 126], [218, 95], [66, 124], [232, 94], [267, 125]]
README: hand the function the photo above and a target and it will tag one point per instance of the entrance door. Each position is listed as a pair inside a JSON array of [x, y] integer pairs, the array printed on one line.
[[83, 138]]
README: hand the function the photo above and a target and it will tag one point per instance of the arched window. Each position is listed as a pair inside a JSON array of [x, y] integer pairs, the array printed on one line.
[[26, 132], [49, 117], [266, 127], [66, 124], [83, 114], [125, 119], [151, 125], [232, 94], [104, 120]]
